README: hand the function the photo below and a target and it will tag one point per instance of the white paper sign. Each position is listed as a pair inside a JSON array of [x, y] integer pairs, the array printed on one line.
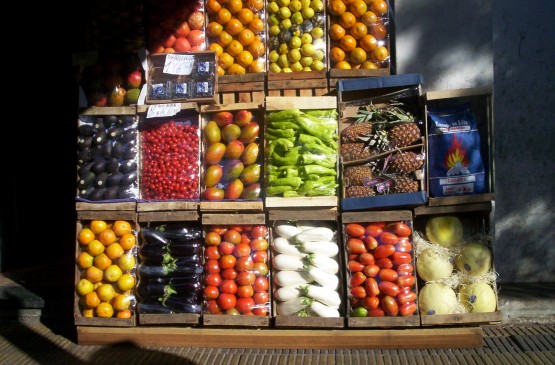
[[178, 64], [163, 110]]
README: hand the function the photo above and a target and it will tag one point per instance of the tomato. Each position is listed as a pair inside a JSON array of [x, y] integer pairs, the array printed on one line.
[[227, 261], [261, 297], [390, 306], [376, 312], [403, 245], [232, 311], [211, 292], [358, 292], [261, 269], [226, 248], [213, 279], [246, 278], [227, 301], [261, 284], [388, 275], [236, 227], [260, 311], [384, 251], [212, 253], [354, 230], [406, 297], [371, 302], [359, 312], [259, 231], [389, 288], [259, 244], [232, 236], [405, 281], [370, 242], [388, 238], [357, 279], [352, 257], [212, 306], [407, 309], [354, 245], [242, 250], [228, 286], [229, 274], [212, 266], [366, 258], [244, 264], [260, 256], [245, 291], [371, 271], [245, 238], [218, 229], [212, 239], [401, 258], [384, 263], [355, 266], [373, 230], [400, 229], [405, 269], [371, 286]]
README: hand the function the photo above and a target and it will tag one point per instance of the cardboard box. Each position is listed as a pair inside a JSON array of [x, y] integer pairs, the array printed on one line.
[[363, 98], [378, 244], [477, 226], [181, 77]]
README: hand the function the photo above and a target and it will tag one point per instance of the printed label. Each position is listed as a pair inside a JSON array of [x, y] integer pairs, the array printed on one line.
[[178, 64], [163, 110]]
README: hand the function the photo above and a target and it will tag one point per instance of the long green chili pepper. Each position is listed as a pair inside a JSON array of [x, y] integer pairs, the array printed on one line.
[[282, 115]]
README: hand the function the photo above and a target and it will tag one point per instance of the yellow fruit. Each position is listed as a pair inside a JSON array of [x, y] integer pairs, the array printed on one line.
[[106, 292], [446, 231], [107, 237], [102, 261], [126, 282], [88, 312], [121, 302], [84, 260], [127, 262], [95, 248], [114, 251], [112, 273], [127, 241], [97, 226], [85, 236], [84, 287], [92, 300], [94, 274], [104, 310]]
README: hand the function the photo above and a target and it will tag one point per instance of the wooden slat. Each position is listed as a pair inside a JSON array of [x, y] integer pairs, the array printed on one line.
[[316, 201], [302, 213], [232, 206], [106, 206], [312, 322], [463, 199], [109, 110], [460, 208], [463, 318], [106, 215], [236, 321], [167, 205], [173, 318], [254, 218], [168, 216], [376, 216]]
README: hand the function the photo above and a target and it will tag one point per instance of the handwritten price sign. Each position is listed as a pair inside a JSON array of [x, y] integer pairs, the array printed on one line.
[[178, 64], [163, 110]]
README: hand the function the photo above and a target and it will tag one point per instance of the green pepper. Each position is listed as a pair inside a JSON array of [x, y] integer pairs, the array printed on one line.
[[294, 182], [290, 194], [282, 115], [323, 190], [281, 144], [286, 124], [323, 113], [290, 158], [322, 160], [277, 190], [315, 127], [281, 133], [318, 170], [304, 138], [320, 149]]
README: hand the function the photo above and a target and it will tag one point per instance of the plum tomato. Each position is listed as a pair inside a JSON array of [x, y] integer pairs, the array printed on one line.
[[354, 230], [372, 288], [407, 309], [405, 281], [366, 258], [383, 251], [387, 238], [403, 245], [376, 312], [355, 266], [384, 263], [388, 275], [371, 271], [371, 302], [405, 269], [390, 306], [373, 230], [370, 242], [358, 292], [388, 288], [399, 228], [355, 245], [357, 279], [406, 297], [401, 258]]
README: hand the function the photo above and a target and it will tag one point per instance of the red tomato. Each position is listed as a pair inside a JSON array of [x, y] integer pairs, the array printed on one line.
[[261, 269], [400, 229], [226, 248], [352, 257], [403, 245], [232, 311], [211, 292], [245, 238], [376, 312], [227, 261], [259, 244], [261, 297], [371, 286], [403, 298], [260, 311], [355, 266], [388, 238], [371, 302], [401, 258], [212, 306], [212, 239], [405, 281], [390, 306], [354, 245], [388, 275], [405, 269], [366, 258], [358, 292], [371, 271], [237, 227], [213, 279], [357, 279], [245, 305], [242, 250], [219, 229], [384, 263], [261, 284], [384, 251], [407, 309], [227, 301], [259, 231], [228, 286], [244, 264], [260, 256], [373, 230], [354, 230], [370, 242], [388, 288], [212, 253], [245, 291], [245, 278], [212, 267], [229, 274]]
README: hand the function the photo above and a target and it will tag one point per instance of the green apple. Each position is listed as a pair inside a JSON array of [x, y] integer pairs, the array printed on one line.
[[294, 55], [295, 5], [308, 49], [295, 42], [285, 24], [296, 67], [274, 67], [273, 7], [273, 20], [317, 5], [282, 3], [308, 13], [306, 61], [297, 18], [317, 65], [284, 12], [306, 38], [283, 61], [274, 29], [273, 56], [283, 49], [317, 32]]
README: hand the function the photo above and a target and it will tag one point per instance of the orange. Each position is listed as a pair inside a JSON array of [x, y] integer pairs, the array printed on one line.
[[84, 260], [255, 5], [114, 251], [358, 7], [225, 60], [126, 282], [379, 7], [94, 274], [236, 69], [220, 71], [257, 25], [121, 302], [169, 40], [358, 30], [107, 237], [378, 30], [127, 241], [234, 48], [348, 2], [234, 26], [95, 248], [88, 312], [126, 313], [169, 50], [257, 66], [214, 29], [246, 37], [357, 55], [106, 292], [380, 54], [257, 49], [369, 65], [104, 310], [213, 6], [368, 42], [369, 18], [223, 16], [102, 261], [245, 15], [337, 32], [97, 226], [85, 236], [112, 273], [182, 30], [343, 65], [225, 39], [244, 59], [216, 48], [92, 300], [234, 6], [337, 54], [347, 20], [337, 7], [348, 43]]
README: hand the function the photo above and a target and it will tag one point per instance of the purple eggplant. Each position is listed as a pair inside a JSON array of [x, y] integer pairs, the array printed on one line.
[[155, 271], [188, 289], [170, 306], [159, 252]]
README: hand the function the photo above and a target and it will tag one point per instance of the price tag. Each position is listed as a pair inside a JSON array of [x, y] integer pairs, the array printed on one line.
[[163, 110], [178, 64]]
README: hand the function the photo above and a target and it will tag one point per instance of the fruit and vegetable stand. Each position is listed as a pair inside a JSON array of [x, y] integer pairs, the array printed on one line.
[[271, 189]]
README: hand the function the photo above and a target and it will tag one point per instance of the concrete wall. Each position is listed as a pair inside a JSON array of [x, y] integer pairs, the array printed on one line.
[[509, 45]]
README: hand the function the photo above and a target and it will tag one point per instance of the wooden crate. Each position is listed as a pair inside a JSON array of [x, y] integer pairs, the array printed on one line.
[[82, 220], [365, 219], [241, 204], [314, 83], [190, 319], [477, 218], [327, 217], [165, 71], [481, 102], [249, 88]]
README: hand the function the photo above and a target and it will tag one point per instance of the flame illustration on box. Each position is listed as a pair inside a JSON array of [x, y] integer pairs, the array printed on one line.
[[455, 160]]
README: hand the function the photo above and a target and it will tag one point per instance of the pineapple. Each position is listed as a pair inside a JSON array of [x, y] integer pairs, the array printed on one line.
[[404, 184], [404, 134], [356, 130], [406, 162], [356, 175], [359, 191], [353, 151]]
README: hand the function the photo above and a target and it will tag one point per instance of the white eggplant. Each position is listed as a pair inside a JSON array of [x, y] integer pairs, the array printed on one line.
[[287, 292], [292, 306], [313, 234], [292, 278], [282, 245], [285, 262], [322, 294], [322, 262], [323, 310], [323, 278], [285, 229], [308, 224], [324, 248]]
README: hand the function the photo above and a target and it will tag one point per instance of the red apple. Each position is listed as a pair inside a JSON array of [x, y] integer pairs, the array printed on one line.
[[243, 117], [223, 118], [98, 99], [134, 79]]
